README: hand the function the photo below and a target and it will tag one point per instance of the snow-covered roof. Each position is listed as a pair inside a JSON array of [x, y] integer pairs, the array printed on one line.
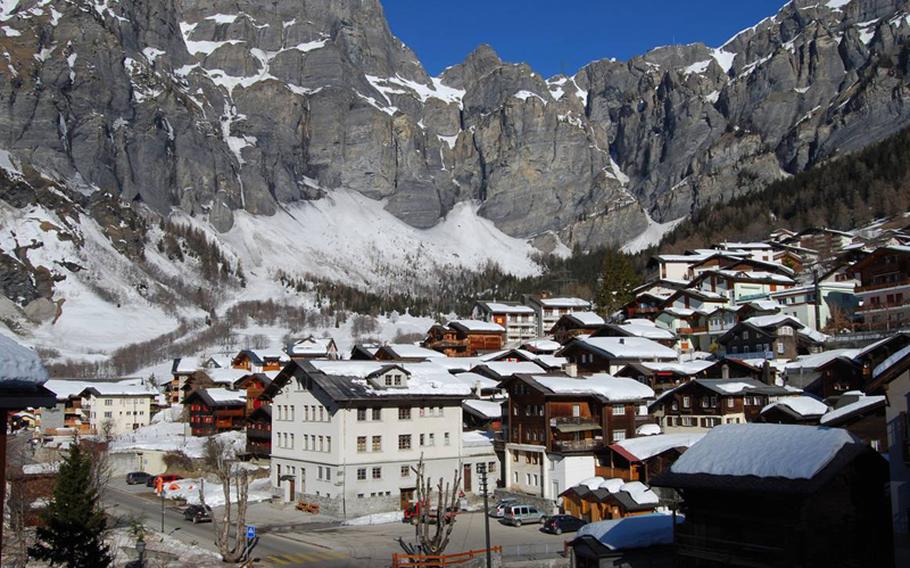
[[502, 308], [773, 321], [222, 396], [456, 364], [649, 446], [564, 303], [816, 360], [471, 380], [681, 368], [629, 347], [65, 388], [812, 334], [19, 365], [476, 325], [490, 409], [646, 328], [765, 305], [764, 450], [311, 346], [863, 403], [586, 318], [497, 354], [425, 378], [604, 385], [476, 438], [639, 531], [509, 368], [892, 360], [804, 406], [640, 493], [409, 351], [543, 345], [551, 361], [119, 389], [648, 430], [184, 365]]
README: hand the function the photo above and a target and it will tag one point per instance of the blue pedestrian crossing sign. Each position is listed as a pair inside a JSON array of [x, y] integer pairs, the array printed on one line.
[[250, 532]]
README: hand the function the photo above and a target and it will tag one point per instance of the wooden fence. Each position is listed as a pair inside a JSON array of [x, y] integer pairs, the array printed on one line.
[[425, 561]]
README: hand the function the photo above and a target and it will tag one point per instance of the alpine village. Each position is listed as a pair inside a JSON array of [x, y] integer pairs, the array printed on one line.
[[272, 295]]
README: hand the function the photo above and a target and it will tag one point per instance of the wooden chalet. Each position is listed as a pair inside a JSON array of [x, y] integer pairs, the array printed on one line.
[[364, 352], [308, 348], [836, 377], [572, 325], [638, 327], [481, 414], [731, 367], [254, 385], [884, 288], [465, 338], [700, 404], [664, 376], [821, 502], [405, 353], [215, 410], [182, 369], [599, 499], [571, 415], [257, 361], [642, 458], [259, 432], [763, 337], [640, 541], [794, 410]]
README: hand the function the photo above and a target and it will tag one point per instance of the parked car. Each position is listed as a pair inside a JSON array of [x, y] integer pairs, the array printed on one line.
[[499, 509], [165, 478], [558, 524], [198, 514], [138, 478], [517, 515], [411, 513]]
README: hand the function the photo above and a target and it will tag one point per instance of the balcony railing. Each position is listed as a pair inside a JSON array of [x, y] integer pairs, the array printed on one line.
[[883, 306], [577, 445], [593, 420], [751, 355], [883, 285]]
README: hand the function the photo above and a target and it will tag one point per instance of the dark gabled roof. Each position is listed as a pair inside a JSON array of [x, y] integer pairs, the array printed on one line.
[[23, 395], [261, 377], [212, 403], [386, 368], [877, 253], [717, 386]]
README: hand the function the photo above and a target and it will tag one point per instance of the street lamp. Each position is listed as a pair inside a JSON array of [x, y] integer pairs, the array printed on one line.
[[140, 548]]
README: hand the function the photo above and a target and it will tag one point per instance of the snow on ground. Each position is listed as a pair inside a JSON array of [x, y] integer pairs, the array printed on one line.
[[376, 519], [651, 235], [188, 490], [172, 436]]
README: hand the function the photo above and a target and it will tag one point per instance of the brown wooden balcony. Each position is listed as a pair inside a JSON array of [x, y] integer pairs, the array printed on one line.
[[883, 285], [586, 445]]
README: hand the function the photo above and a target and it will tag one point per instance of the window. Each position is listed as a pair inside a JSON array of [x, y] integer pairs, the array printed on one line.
[[619, 436], [377, 443], [404, 413], [306, 441], [328, 476], [361, 473], [619, 410], [108, 402], [643, 410], [306, 413], [319, 473], [491, 468], [405, 471], [361, 414], [432, 439], [292, 442], [321, 446], [377, 473], [322, 414], [108, 414], [687, 402], [328, 443], [377, 414], [445, 439], [404, 441], [361, 444], [780, 347], [729, 403], [422, 440]]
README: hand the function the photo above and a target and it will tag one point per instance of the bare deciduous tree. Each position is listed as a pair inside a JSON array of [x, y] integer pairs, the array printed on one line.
[[434, 526], [219, 460]]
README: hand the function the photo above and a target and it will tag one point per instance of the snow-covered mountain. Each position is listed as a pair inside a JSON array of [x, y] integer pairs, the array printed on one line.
[[304, 139]]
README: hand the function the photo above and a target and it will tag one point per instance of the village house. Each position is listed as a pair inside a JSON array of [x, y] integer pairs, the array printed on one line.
[[663, 376], [862, 415], [555, 422], [311, 347], [215, 410], [676, 267], [741, 508], [598, 499], [740, 286], [216, 377], [884, 288], [826, 241], [541, 346], [465, 338], [610, 354], [638, 327], [651, 296], [520, 322], [259, 432], [644, 457], [763, 337], [116, 408], [67, 416], [346, 435], [182, 369], [754, 250], [406, 352], [574, 324], [259, 361], [482, 414], [801, 303], [640, 541], [701, 404], [254, 386], [549, 310], [502, 370]]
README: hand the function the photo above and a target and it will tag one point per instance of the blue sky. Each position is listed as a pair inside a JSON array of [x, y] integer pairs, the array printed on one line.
[[556, 36]]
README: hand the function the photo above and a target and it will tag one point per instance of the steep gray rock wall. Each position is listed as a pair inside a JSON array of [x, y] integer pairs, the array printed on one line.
[[218, 105]]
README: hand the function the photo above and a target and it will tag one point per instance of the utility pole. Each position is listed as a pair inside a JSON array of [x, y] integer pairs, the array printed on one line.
[[818, 300], [486, 513]]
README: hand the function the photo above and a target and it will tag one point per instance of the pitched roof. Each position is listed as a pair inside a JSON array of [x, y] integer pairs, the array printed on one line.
[[19, 365], [642, 448], [488, 409], [639, 531], [799, 406], [603, 386], [476, 325], [506, 308], [844, 413], [626, 347], [563, 302]]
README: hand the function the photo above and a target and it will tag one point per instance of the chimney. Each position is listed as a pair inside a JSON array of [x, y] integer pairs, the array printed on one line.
[[477, 388], [767, 376], [622, 340], [572, 369], [725, 371]]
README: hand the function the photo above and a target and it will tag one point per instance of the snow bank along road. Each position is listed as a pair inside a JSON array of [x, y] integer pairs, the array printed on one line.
[[273, 550]]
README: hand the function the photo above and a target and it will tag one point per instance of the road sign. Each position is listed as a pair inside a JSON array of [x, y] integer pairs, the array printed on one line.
[[250, 532]]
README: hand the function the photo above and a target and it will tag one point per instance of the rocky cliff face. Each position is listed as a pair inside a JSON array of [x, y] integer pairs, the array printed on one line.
[[214, 106]]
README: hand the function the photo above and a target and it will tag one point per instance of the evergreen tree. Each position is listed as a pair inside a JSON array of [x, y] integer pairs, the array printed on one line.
[[74, 524], [618, 279]]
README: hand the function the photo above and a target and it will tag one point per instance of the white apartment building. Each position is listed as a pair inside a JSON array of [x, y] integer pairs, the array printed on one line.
[[347, 434], [124, 407], [549, 310], [520, 322]]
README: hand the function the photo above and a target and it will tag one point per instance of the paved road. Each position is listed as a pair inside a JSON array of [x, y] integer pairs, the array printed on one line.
[[278, 550]]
